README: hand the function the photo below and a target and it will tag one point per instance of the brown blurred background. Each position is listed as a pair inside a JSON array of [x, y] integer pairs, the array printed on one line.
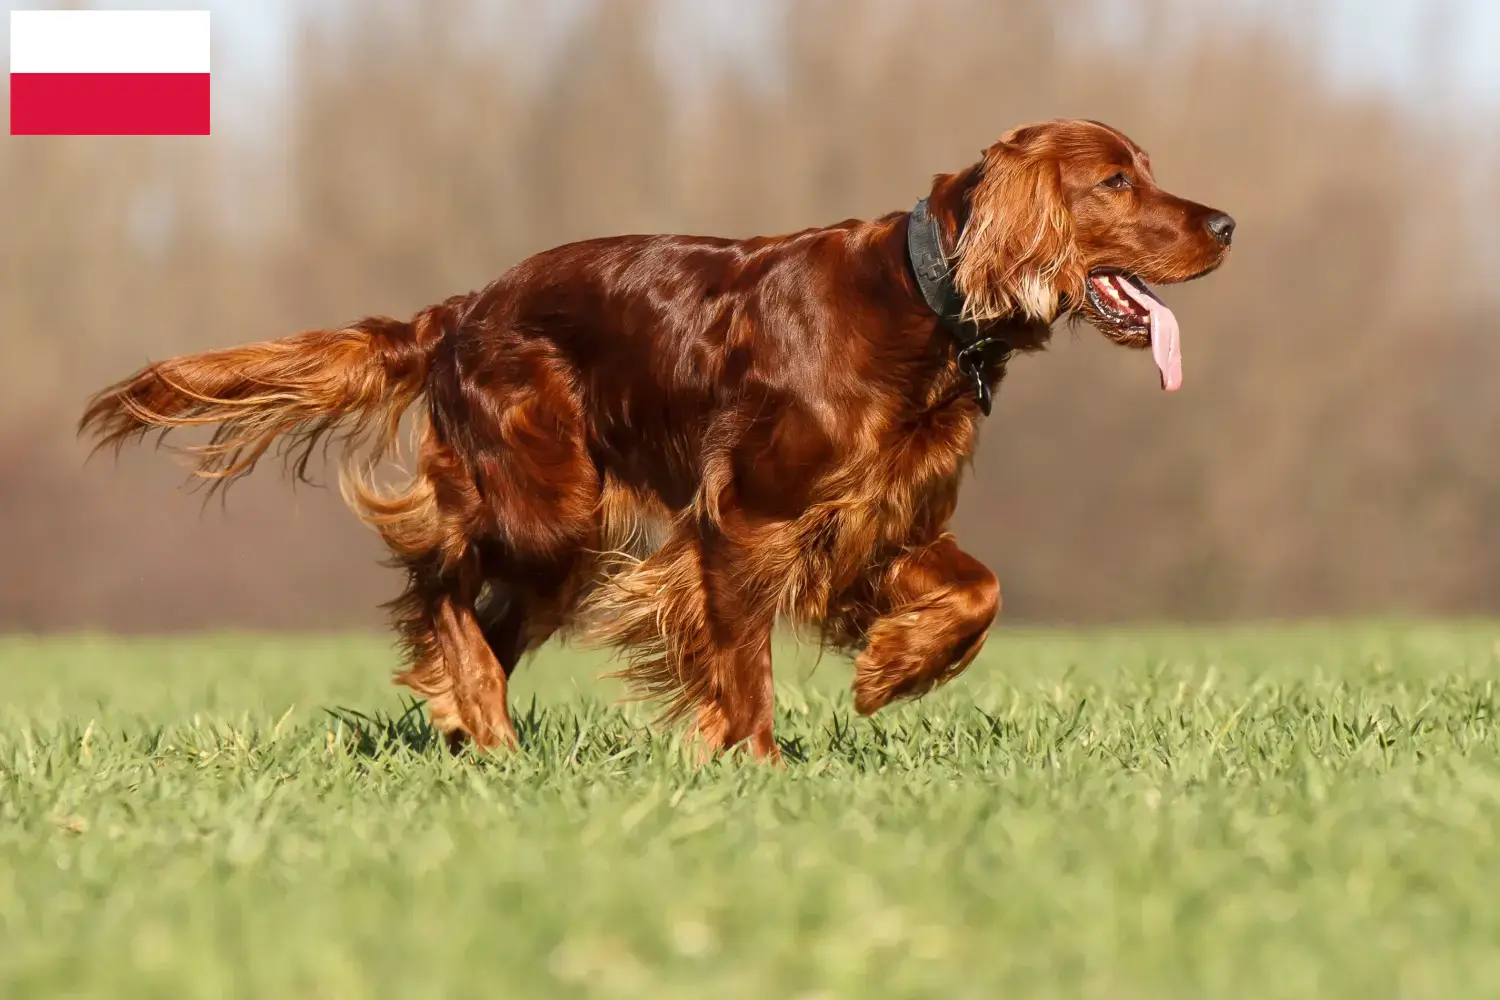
[[1334, 451]]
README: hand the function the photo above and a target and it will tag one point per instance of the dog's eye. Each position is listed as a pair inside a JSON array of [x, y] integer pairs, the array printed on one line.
[[1117, 182]]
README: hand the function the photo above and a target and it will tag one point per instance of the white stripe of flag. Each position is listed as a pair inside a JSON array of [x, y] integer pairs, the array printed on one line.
[[109, 41]]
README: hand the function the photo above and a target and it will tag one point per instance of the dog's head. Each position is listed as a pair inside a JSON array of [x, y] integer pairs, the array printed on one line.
[[1065, 217]]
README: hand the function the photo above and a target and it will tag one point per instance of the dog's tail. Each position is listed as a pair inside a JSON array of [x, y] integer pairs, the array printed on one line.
[[349, 386]]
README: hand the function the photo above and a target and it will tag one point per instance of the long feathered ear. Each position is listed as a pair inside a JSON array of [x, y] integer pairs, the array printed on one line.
[[1016, 256]]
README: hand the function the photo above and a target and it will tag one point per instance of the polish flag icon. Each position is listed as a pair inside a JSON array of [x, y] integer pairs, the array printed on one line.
[[109, 72]]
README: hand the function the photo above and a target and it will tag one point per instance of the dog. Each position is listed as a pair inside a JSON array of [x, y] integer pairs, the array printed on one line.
[[667, 444]]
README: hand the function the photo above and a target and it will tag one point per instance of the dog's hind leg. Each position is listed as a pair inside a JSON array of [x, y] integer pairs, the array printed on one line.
[[467, 639], [452, 665], [507, 494], [432, 529]]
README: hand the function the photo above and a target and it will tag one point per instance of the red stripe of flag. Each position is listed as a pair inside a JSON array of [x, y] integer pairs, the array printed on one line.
[[109, 103]]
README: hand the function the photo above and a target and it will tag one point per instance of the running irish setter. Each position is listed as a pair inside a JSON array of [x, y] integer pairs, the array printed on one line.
[[666, 443]]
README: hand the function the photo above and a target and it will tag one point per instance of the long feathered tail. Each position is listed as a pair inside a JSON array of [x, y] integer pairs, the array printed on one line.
[[349, 386]]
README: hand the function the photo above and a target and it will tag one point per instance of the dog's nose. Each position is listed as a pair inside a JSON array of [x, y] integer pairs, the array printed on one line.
[[1221, 227]]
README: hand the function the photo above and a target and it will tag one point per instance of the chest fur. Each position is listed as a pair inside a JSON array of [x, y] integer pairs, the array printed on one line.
[[898, 492]]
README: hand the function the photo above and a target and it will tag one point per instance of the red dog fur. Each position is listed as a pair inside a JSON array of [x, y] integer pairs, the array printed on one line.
[[666, 443]]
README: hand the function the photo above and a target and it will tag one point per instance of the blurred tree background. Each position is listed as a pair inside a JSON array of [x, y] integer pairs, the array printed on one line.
[[1333, 453]]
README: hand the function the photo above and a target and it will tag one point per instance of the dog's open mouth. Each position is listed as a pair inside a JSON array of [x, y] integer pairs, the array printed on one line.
[[1129, 312]]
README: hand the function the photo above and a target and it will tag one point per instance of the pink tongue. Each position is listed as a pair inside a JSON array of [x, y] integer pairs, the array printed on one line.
[[1166, 342]]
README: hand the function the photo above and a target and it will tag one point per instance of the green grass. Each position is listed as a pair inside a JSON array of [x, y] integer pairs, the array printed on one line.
[[1310, 812]]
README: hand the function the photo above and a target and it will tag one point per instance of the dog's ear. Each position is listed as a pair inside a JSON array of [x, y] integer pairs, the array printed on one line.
[[1016, 256]]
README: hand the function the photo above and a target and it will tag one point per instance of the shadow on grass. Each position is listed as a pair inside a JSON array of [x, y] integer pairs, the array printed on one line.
[[553, 736], [380, 735], [543, 733]]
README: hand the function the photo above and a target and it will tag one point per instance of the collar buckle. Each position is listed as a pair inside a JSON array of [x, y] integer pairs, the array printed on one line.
[[973, 362]]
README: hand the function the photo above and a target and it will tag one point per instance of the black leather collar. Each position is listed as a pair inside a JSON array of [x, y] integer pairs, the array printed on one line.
[[978, 352]]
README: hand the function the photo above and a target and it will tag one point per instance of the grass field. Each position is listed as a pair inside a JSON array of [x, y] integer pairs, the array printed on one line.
[[1309, 812]]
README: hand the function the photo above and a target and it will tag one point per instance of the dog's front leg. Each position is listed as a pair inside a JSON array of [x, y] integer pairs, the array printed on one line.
[[698, 635], [938, 602], [740, 712], [735, 657]]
